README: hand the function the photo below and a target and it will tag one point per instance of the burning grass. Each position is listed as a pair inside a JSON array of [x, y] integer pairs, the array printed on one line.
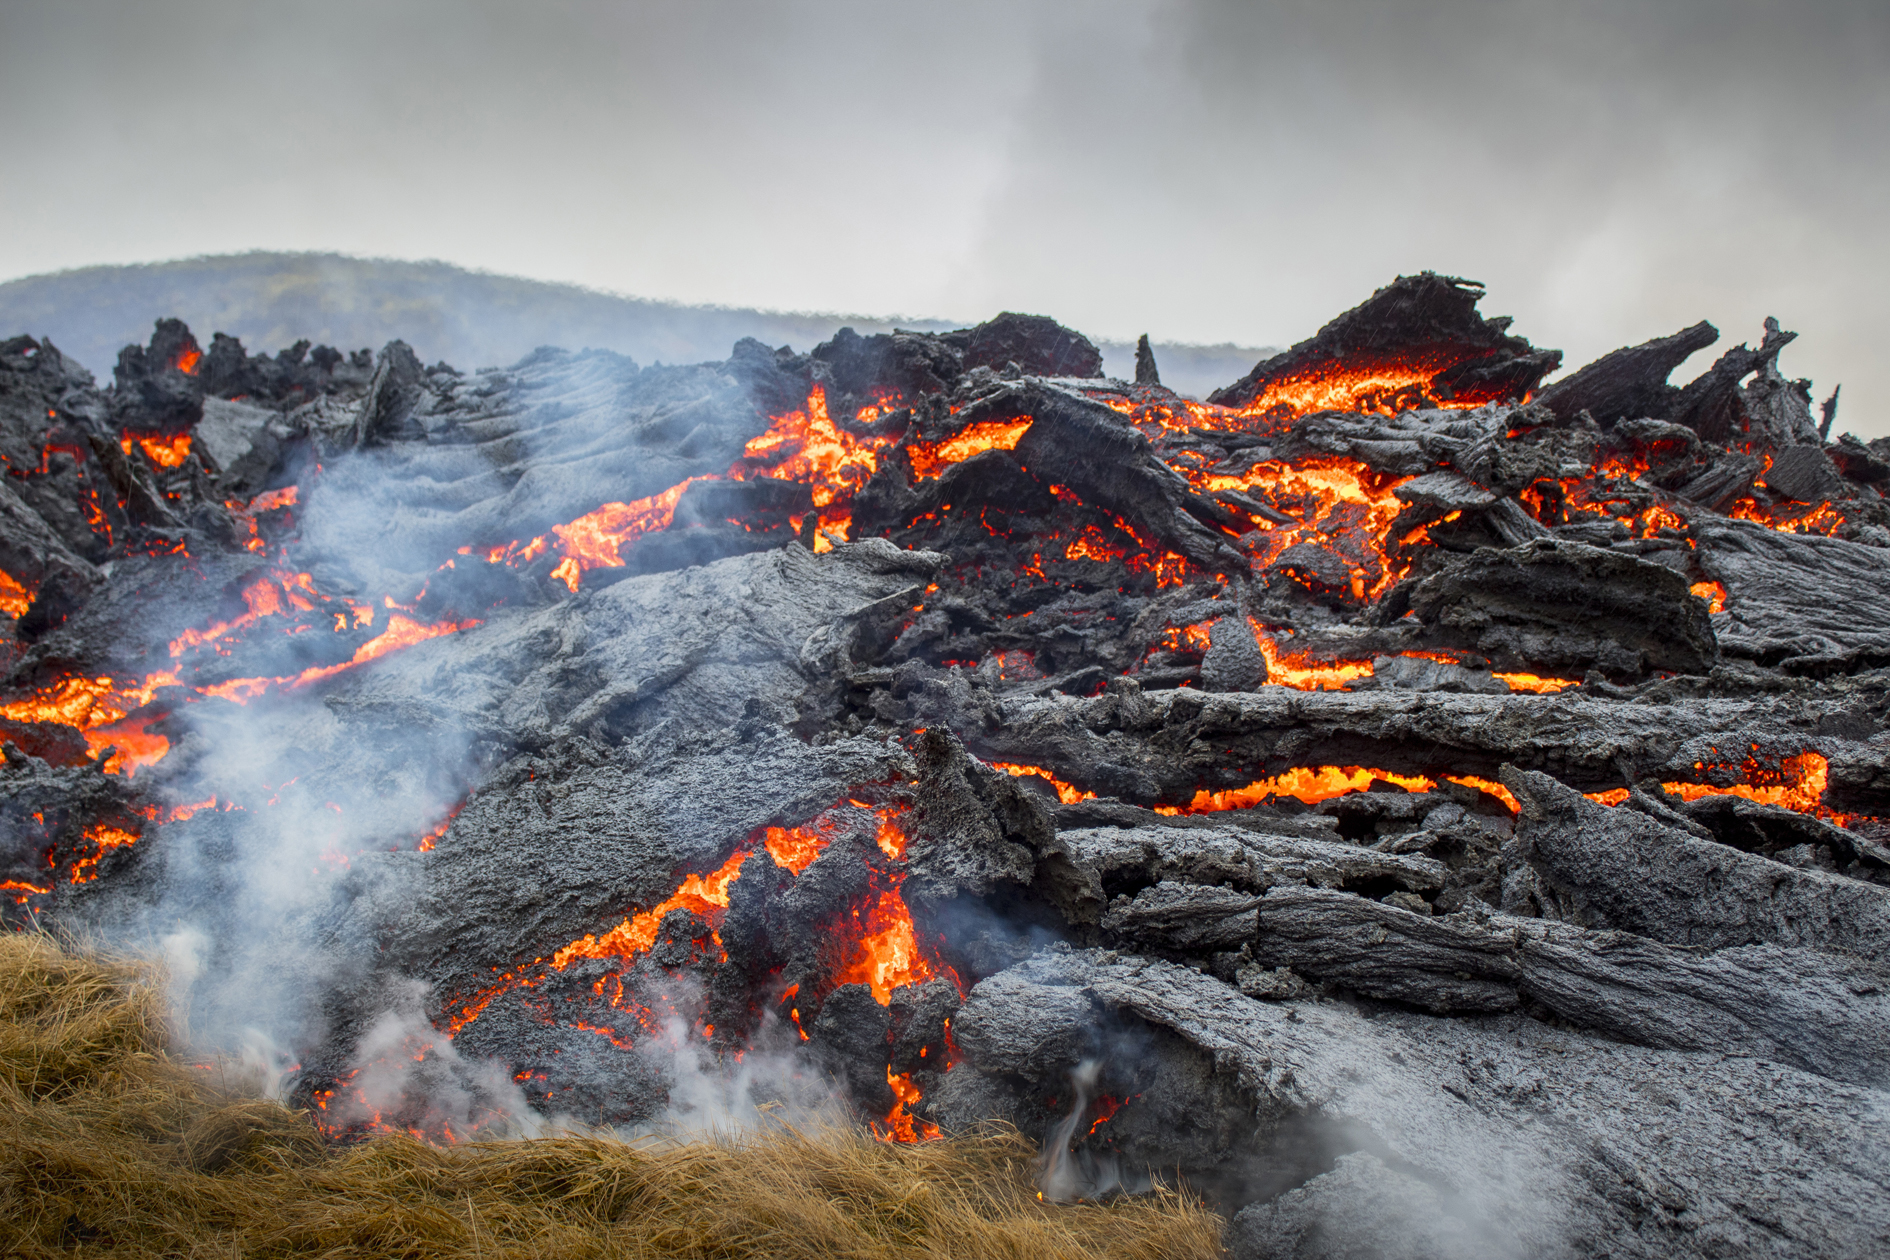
[[108, 1143]]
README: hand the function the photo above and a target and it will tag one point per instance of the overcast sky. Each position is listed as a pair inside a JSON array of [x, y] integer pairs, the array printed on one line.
[[1201, 171]]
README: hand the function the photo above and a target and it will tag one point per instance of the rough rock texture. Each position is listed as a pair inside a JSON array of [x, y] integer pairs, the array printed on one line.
[[1565, 605], [1532, 1140], [1429, 822], [1430, 317]]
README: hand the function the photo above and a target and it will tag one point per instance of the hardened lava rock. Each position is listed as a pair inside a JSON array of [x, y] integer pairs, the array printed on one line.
[[1428, 811]]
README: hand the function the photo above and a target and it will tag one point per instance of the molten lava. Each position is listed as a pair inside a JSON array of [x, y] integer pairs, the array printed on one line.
[[279, 594], [1796, 783], [401, 632], [1299, 670], [1536, 683], [703, 895], [1337, 506], [1381, 383], [886, 955], [246, 514], [104, 838], [134, 745], [929, 459], [1310, 784], [166, 450], [1714, 593], [805, 446], [1790, 518], [594, 540], [14, 598], [881, 951], [899, 1125], [1066, 793], [794, 849]]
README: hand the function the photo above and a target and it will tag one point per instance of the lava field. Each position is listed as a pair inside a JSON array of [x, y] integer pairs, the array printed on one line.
[[1402, 800]]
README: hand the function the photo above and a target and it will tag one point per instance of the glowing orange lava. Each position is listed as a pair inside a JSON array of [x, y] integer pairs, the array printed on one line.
[[1181, 639], [82, 703], [594, 539], [1790, 518], [804, 445], [105, 838], [22, 891], [1797, 783], [1536, 682], [1091, 545], [1065, 792], [166, 450], [1300, 671], [401, 632], [884, 955], [807, 446], [14, 598], [887, 955], [1552, 501], [188, 360], [1337, 504], [1310, 784], [929, 459], [700, 894], [1491, 786], [135, 746], [1384, 385], [899, 1124], [1714, 593], [278, 594], [795, 848], [268, 501]]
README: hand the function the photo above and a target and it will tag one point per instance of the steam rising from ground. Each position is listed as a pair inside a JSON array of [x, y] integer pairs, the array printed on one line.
[[264, 909]]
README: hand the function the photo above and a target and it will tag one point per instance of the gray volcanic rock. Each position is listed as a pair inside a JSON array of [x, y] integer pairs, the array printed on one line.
[[1169, 743], [1426, 316], [1563, 606], [1610, 868], [1803, 602], [1627, 383], [928, 729], [1536, 1141]]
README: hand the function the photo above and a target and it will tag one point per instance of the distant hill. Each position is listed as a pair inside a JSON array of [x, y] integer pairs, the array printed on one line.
[[470, 319]]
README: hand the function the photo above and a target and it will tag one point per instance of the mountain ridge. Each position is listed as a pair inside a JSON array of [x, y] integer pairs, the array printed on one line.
[[468, 318]]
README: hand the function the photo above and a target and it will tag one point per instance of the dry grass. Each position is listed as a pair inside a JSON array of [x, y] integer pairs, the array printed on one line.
[[108, 1145]]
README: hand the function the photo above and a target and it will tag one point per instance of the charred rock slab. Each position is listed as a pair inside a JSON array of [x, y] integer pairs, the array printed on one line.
[[1428, 318], [1609, 868], [918, 364], [1159, 747], [1644, 1148], [1803, 602], [1563, 605], [1630, 383]]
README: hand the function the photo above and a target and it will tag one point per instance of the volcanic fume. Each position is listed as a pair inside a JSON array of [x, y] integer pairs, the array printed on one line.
[[1407, 802]]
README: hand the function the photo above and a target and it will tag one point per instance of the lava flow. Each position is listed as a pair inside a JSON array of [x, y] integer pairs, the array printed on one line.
[[804, 446], [874, 942], [662, 616]]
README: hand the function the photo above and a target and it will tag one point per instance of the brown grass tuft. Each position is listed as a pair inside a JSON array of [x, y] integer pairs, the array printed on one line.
[[110, 1145]]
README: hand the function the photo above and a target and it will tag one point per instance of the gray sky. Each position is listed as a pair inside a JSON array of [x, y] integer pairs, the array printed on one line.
[[1612, 169]]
